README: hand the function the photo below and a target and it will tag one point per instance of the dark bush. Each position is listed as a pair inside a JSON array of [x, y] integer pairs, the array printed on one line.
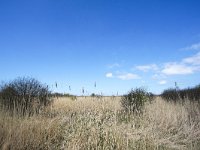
[[24, 96], [151, 96], [93, 95], [135, 100], [192, 94], [170, 94]]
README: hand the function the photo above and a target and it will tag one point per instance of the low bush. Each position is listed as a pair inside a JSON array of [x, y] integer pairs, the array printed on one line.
[[24, 95], [135, 100], [172, 94]]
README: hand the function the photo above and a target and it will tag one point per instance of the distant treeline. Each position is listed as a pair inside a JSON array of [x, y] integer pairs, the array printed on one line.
[[176, 94], [28, 96], [62, 95]]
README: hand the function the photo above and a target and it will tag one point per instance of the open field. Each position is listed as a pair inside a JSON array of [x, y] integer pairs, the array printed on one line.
[[101, 123]]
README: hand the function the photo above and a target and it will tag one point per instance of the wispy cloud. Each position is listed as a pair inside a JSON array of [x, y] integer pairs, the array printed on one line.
[[187, 65], [109, 75], [128, 76], [114, 65], [193, 47], [194, 60], [177, 69], [146, 68], [158, 76], [162, 82], [122, 76]]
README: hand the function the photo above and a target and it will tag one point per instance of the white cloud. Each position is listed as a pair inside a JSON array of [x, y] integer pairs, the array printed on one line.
[[113, 65], [193, 47], [187, 65], [123, 76], [128, 76], [194, 60], [158, 76], [162, 82], [177, 69], [109, 75], [146, 68]]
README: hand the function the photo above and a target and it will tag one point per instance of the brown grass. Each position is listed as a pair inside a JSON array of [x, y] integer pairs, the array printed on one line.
[[91, 123]]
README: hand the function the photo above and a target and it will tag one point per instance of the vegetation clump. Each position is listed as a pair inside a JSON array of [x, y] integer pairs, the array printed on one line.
[[135, 100], [170, 94], [176, 94], [24, 95]]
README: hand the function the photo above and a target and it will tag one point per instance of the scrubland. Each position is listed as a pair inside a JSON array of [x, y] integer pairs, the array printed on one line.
[[101, 123]]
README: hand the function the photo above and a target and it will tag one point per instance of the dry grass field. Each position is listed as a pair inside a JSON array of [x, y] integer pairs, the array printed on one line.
[[101, 124]]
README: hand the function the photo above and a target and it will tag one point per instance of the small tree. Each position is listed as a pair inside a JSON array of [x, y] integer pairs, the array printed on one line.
[[24, 95], [135, 100], [93, 95]]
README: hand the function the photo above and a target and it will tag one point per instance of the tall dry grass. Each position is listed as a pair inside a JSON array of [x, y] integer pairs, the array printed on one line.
[[35, 132], [91, 123]]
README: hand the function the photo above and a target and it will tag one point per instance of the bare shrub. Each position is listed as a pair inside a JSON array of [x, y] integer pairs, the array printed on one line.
[[24, 96]]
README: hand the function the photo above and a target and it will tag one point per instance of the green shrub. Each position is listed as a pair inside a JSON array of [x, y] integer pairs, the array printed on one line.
[[24, 96], [135, 100]]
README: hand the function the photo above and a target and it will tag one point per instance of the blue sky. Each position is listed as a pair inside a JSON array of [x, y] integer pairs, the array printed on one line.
[[119, 44]]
